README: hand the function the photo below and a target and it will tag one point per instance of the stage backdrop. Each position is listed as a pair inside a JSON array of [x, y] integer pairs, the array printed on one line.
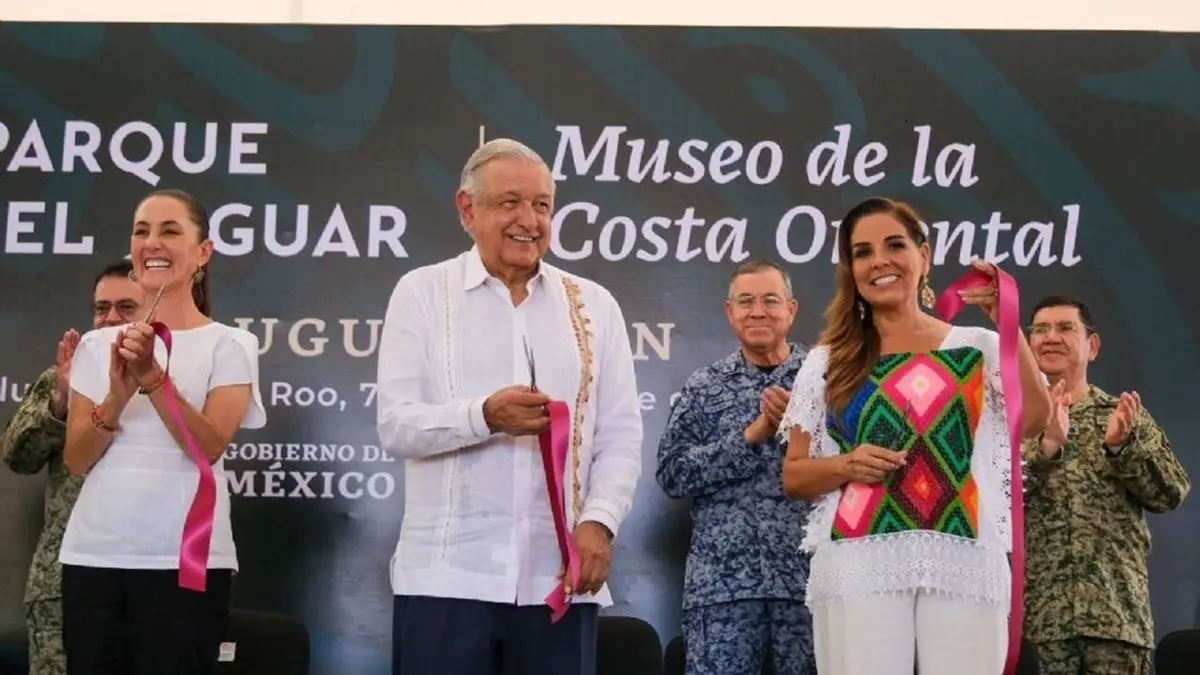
[[329, 159]]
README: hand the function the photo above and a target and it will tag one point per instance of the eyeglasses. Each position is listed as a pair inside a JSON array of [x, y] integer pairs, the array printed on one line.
[[125, 308], [1060, 327], [771, 302]]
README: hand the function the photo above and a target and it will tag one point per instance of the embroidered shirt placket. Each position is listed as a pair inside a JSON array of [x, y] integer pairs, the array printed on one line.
[[582, 327], [453, 373]]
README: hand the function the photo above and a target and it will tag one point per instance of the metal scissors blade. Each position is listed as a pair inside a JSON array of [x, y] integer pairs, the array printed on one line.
[[901, 433], [154, 304], [532, 369]]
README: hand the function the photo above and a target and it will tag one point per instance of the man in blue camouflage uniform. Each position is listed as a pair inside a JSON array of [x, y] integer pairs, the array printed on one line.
[[743, 601], [1090, 479], [33, 441]]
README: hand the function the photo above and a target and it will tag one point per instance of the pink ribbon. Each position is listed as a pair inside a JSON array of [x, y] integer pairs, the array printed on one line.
[[554, 445], [1009, 301], [197, 529]]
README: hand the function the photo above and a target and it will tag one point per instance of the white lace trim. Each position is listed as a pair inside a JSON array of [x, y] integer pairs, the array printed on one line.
[[991, 466], [908, 561]]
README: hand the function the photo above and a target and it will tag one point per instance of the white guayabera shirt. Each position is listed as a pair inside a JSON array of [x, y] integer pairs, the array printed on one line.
[[477, 519]]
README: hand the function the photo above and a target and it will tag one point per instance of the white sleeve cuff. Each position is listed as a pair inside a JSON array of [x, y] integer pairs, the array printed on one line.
[[476, 424], [600, 512]]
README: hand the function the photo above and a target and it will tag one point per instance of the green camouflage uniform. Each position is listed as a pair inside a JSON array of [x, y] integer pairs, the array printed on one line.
[[1087, 601], [33, 440]]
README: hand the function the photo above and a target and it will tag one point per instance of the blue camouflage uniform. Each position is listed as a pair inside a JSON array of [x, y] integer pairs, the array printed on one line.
[[743, 598]]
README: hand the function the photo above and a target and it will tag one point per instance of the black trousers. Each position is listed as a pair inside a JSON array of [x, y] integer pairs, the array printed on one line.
[[447, 636], [140, 622]]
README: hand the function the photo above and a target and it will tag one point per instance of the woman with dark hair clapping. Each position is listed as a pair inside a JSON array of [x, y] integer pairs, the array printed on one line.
[[149, 432]]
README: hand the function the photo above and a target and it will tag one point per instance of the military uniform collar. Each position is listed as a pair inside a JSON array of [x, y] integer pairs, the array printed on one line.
[[1097, 397]]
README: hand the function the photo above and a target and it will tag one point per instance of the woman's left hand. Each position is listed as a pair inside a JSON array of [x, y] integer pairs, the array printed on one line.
[[137, 348], [985, 297]]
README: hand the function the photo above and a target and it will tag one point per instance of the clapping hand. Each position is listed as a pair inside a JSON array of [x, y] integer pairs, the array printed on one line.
[[1120, 423], [62, 366], [136, 346], [121, 383], [772, 404], [1059, 425]]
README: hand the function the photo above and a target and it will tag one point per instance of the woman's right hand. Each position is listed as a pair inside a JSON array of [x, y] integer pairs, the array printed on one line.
[[121, 383], [871, 464], [1058, 428]]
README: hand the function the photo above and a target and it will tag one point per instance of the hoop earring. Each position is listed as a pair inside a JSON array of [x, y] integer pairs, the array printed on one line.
[[198, 275], [132, 276], [928, 299]]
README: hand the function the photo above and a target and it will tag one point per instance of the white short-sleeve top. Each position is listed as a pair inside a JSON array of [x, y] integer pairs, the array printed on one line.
[[918, 558], [133, 504]]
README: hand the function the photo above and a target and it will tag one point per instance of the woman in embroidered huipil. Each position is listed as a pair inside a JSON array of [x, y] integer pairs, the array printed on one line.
[[897, 433]]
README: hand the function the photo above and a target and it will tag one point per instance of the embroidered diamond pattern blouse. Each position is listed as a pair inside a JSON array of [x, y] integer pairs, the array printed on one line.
[[940, 523]]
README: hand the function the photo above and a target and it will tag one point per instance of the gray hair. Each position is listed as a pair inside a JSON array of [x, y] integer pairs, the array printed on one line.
[[497, 148], [758, 267]]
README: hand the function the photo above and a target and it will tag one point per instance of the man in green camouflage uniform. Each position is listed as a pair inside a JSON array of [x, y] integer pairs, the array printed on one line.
[[33, 440], [1100, 466]]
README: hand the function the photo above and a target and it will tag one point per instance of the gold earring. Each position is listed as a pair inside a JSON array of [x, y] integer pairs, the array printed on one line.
[[132, 276], [928, 299], [198, 275]]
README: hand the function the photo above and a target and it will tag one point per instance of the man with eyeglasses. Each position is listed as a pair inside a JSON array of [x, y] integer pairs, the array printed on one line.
[[743, 599], [34, 440], [1101, 464]]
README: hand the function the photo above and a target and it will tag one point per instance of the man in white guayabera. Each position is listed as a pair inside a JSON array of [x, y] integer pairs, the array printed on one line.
[[460, 400]]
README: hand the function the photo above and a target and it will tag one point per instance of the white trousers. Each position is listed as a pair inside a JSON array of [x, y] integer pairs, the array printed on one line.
[[888, 635]]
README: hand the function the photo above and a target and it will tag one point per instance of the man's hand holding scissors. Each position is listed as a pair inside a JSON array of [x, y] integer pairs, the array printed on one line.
[[519, 410]]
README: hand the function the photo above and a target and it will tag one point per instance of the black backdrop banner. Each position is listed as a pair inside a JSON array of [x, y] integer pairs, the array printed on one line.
[[329, 157]]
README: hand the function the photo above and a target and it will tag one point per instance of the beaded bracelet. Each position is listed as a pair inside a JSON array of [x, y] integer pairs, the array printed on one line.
[[154, 386], [99, 423]]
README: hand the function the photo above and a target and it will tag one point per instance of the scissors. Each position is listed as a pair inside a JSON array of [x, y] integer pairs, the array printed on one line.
[[532, 369], [900, 435], [150, 312], [154, 304]]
